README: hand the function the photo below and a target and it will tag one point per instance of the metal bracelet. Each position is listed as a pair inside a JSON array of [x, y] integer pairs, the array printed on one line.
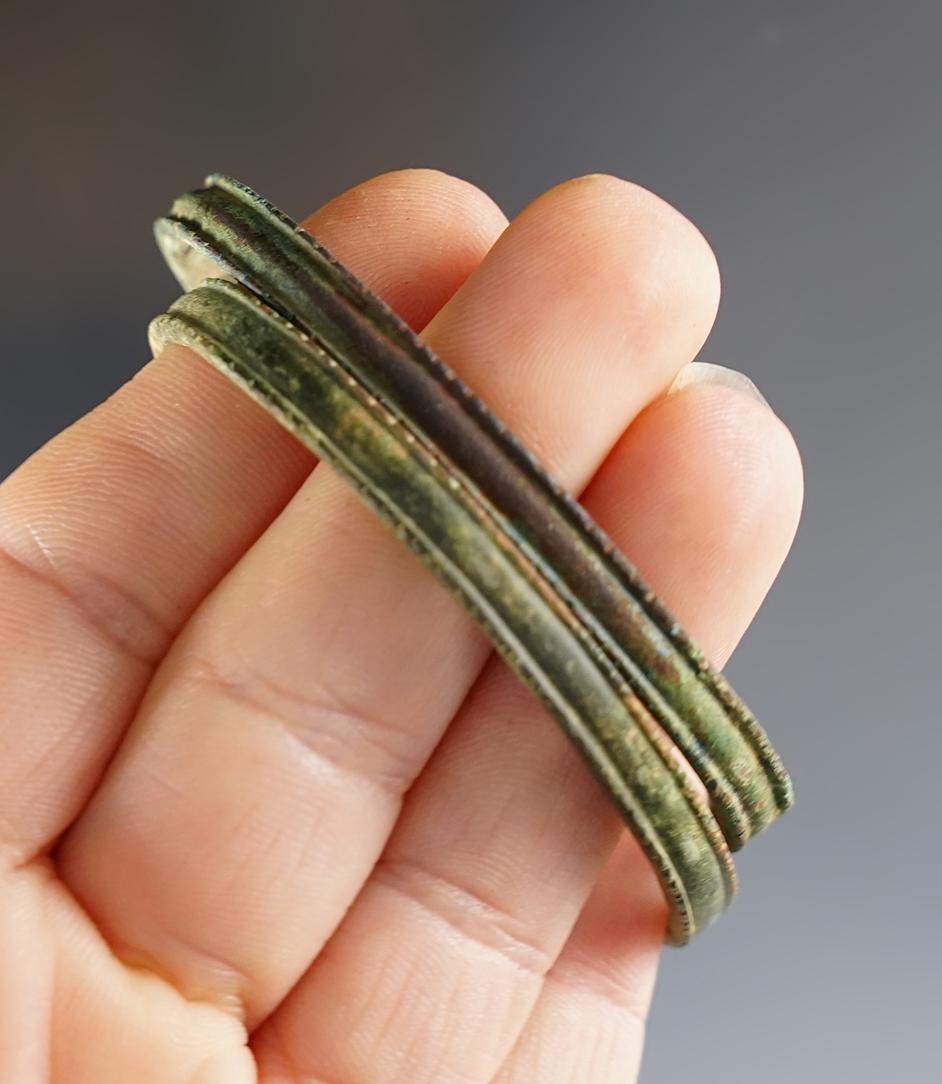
[[277, 313]]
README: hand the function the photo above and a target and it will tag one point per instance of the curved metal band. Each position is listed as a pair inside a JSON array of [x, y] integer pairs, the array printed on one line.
[[325, 318], [453, 530]]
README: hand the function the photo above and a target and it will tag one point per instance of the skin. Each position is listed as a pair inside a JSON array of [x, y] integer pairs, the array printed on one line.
[[269, 809]]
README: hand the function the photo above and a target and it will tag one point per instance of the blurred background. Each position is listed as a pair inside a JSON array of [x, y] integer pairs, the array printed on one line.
[[804, 139]]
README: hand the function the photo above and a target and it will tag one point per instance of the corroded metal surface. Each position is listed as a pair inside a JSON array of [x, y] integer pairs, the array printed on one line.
[[562, 605]]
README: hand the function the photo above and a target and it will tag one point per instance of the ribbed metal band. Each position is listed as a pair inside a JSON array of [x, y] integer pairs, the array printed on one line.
[[567, 610]]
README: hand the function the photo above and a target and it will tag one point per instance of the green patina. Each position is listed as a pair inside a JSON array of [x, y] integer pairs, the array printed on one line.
[[566, 610]]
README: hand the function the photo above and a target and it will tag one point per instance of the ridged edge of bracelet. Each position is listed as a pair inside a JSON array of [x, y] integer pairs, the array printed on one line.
[[745, 778], [454, 530]]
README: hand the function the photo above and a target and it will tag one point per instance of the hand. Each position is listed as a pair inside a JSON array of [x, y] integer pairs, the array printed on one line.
[[269, 809]]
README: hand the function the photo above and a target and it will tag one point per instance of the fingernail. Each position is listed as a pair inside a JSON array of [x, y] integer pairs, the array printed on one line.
[[705, 372]]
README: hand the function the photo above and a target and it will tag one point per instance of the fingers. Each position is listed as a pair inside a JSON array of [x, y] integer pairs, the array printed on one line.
[[720, 504], [112, 533], [505, 832], [605, 293], [588, 1024], [413, 235], [267, 767]]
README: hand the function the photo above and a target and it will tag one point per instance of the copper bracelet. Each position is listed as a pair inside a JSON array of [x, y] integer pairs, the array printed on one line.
[[273, 310]]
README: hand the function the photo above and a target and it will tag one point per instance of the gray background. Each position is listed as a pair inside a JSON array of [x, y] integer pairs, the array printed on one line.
[[803, 138]]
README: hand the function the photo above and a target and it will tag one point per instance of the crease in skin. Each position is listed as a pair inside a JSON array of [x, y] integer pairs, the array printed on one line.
[[317, 722], [227, 992], [90, 981], [466, 911], [144, 644]]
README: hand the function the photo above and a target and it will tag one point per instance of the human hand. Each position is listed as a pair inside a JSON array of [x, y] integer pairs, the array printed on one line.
[[269, 810]]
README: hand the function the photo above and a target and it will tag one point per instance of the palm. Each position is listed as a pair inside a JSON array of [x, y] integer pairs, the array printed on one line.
[[268, 810]]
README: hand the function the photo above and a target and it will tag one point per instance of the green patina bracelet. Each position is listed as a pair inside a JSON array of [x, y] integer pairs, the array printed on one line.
[[279, 315]]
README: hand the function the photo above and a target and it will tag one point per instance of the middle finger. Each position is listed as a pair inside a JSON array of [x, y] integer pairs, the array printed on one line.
[[268, 763]]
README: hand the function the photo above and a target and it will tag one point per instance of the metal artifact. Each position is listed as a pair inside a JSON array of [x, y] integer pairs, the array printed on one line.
[[272, 309]]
